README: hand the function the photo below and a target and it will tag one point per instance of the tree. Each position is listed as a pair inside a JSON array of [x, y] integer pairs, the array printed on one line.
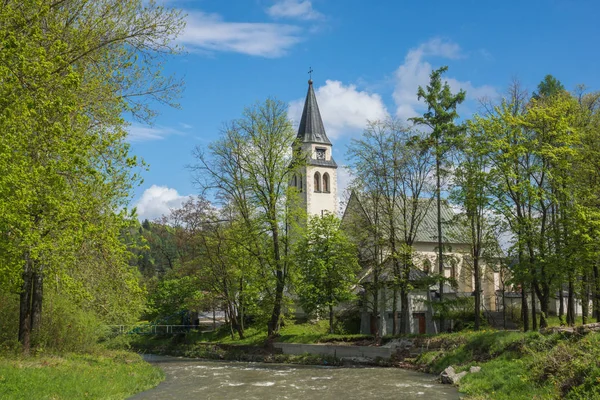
[[389, 160], [471, 194], [550, 86], [249, 168], [439, 118], [64, 165], [327, 263]]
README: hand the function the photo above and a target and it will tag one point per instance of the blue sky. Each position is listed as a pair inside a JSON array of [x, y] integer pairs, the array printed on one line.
[[368, 58]]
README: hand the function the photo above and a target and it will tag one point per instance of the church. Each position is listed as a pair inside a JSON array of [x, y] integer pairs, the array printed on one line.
[[317, 185]]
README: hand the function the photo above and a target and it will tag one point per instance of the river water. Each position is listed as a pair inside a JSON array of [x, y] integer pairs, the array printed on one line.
[[199, 379]]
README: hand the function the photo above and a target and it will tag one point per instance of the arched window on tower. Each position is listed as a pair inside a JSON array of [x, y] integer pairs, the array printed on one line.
[[300, 187], [317, 187], [295, 181], [326, 188]]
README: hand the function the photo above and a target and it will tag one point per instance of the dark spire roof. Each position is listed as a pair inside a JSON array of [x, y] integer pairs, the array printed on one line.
[[311, 127]]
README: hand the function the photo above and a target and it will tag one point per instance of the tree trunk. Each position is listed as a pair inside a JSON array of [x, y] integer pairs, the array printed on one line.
[[273, 326], [25, 307], [596, 293], [571, 303], [533, 310], [241, 306], [524, 308], [439, 231], [503, 306], [561, 306], [214, 317], [585, 299], [544, 298], [404, 311], [331, 319], [36, 301], [376, 308], [395, 312], [477, 293]]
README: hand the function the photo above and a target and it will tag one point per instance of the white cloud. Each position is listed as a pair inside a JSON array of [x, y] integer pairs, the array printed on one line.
[[144, 133], [344, 109], [209, 33], [414, 72], [293, 9], [157, 201]]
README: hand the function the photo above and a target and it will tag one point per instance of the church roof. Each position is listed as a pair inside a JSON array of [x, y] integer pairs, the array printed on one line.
[[311, 129], [426, 225]]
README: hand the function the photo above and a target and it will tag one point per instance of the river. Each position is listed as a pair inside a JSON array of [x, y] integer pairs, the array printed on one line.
[[199, 379]]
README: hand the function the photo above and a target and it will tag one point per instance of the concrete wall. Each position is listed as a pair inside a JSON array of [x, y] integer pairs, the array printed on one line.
[[335, 350]]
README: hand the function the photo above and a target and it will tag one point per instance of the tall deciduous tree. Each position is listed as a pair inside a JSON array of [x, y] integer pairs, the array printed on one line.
[[440, 119], [471, 194], [327, 263], [250, 167], [69, 70], [389, 160]]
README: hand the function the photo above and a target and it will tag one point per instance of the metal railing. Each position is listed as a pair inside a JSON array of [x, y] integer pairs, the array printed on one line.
[[150, 329]]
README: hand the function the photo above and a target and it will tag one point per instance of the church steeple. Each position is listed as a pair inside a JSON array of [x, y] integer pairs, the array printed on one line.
[[316, 179], [311, 129]]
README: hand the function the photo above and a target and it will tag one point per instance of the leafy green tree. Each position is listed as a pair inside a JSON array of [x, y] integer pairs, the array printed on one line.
[[550, 86], [440, 119], [327, 263], [174, 296], [64, 165], [470, 192], [249, 168]]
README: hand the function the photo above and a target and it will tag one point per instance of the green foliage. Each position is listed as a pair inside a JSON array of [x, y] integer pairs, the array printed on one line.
[[249, 168], [327, 263], [172, 296], [65, 168]]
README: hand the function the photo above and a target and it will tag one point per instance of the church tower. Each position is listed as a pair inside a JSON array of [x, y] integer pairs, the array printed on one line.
[[317, 180]]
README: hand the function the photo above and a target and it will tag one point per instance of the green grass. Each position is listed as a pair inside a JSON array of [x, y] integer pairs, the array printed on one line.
[[516, 365], [108, 375]]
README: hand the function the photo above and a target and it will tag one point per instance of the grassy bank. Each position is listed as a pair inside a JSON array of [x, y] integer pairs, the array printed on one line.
[[105, 375], [517, 365]]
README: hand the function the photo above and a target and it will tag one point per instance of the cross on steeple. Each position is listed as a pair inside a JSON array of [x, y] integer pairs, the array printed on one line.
[[310, 71]]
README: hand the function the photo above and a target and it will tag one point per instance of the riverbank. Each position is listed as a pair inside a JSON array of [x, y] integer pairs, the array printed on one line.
[[517, 365], [514, 365], [101, 375]]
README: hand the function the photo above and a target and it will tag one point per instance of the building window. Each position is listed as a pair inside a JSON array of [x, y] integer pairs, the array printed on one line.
[[295, 182], [317, 182], [320, 154], [326, 182], [300, 182]]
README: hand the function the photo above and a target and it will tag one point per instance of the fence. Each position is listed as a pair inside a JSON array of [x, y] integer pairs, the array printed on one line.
[[150, 329]]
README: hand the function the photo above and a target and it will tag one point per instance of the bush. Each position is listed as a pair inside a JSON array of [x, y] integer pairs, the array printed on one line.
[[67, 327], [347, 322], [9, 322]]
